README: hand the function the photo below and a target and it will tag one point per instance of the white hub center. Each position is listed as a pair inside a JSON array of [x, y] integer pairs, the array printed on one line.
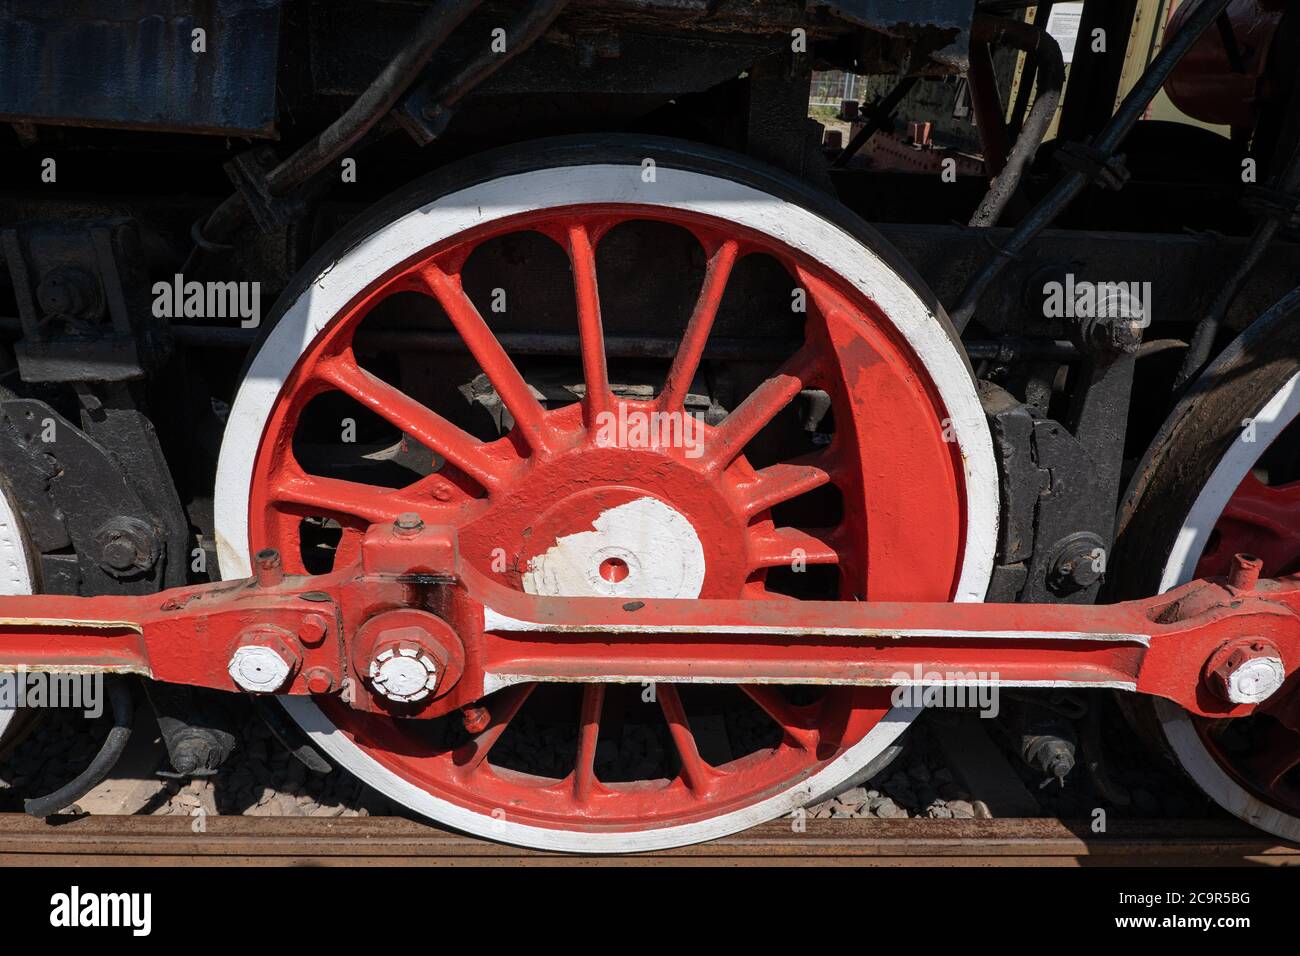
[[641, 548]]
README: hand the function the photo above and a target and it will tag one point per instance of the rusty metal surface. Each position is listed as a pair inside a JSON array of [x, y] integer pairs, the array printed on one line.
[[390, 841], [940, 28], [131, 65]]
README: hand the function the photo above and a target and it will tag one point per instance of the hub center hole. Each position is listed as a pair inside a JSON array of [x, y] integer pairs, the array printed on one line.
[[613, 570]]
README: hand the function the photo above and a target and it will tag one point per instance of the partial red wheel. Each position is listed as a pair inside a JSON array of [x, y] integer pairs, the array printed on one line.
[[17, 576], [1223, 478], [663, 375]]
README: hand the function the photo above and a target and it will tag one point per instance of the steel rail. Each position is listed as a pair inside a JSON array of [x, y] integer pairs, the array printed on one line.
[[391, 841]]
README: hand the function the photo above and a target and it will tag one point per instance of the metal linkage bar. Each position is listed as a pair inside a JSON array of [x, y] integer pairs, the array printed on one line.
[[1189, 645], [424, 634]]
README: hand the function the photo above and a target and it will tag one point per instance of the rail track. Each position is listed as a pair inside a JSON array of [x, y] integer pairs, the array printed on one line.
[[391, 841]]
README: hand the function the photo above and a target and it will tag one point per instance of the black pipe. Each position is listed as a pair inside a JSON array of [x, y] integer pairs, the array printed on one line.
[[119, 696], [1033, 40], [1111, 136]]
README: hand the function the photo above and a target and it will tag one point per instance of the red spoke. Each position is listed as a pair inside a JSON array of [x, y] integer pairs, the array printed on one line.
[[687, 360], [590, 331], [784, 546], [782, 482], [824, 297], [584, 771], [696, 773], [332, 495], [759, 407], [399, 409], [773, 703], [470, 756], [486, 348]]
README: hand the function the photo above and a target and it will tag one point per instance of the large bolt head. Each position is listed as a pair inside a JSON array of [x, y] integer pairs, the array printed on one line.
[[407, 656], [127, 546], [1246, 672], [261, 668], [1078, 563], [1256, 680], [120, 554], [403, 673]]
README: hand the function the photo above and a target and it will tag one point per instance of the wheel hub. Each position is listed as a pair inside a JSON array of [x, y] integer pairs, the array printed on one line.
[[636, 546], [602, 519]]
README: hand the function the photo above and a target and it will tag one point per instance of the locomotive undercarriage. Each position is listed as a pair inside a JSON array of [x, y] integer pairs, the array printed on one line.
[[376, 494]]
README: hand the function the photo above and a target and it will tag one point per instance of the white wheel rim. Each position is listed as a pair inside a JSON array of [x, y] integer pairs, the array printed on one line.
[[1279, 412], [15, 572], [791, 224]]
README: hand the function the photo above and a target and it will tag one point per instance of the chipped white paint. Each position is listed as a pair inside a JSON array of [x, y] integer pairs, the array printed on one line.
[[15, 568], [499, 680], [1256, 680], [499, 623], [657, 547], [1279, 412], [798, 228], [258, 669], [403, 674], [67, 623]]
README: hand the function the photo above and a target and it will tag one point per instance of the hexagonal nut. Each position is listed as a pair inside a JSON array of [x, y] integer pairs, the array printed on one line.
[[1242, 673], [264, 661]]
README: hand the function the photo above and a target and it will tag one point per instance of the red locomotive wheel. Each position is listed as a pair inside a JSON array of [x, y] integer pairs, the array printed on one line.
[[16, 577], [855, 466], [1223, 478]]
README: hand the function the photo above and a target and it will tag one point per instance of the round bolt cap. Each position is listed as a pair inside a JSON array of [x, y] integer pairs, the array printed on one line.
[[476, 719], [1255, 680], [319, 681], [408, 522], [403, 674], [1078, 563], [259, 669], [120, 554], [127, 546]]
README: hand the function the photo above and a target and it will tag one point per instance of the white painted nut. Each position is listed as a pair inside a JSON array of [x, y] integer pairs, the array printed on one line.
[[1256, 680], [259, 669], [403, 674]]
